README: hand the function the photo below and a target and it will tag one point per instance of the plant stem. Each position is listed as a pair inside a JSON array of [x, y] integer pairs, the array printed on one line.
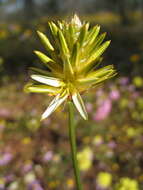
[[72, 137]]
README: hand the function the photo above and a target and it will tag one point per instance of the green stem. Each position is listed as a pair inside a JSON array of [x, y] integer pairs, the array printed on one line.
[[72, 137]]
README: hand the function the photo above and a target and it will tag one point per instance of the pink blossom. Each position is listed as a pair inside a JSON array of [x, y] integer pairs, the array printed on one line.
[[103, 110], [89, 107], [48, 156], [5, 158], [124, 81], [114, 95]]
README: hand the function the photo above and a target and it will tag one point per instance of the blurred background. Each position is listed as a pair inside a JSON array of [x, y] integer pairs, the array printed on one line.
[[36, 156]]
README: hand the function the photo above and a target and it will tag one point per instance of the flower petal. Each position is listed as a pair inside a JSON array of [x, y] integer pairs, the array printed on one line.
[[94, 81], [41, 71], [44, 58], [57, 101], [41, 88], [47, 80], [64, 46], [78, 102], [45, 41]]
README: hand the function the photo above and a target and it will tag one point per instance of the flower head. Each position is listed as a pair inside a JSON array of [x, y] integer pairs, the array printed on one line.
[[71, 61]]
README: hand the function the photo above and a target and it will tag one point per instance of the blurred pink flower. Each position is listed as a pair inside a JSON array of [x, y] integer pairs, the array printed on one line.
[[5, 158], [114, 95], [89, 107], [35, 185], [99, 93], [124, 81], [27, 167], [112, 145], [48, 156], [103, 110]]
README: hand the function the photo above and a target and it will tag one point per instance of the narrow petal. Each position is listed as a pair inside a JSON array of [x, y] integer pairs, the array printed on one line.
[[57, 101], [68, 70], [47, 80], [63, 43], [41, 71], [78, 102], [93, 34], [45, 41], [53, 28], [99, 51], [97, 78], [41, 88], [44, 58]]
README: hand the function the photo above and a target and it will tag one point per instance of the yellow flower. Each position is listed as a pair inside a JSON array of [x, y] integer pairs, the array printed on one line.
[[71, 64], [85, 159], [127, 183], [104, 179]]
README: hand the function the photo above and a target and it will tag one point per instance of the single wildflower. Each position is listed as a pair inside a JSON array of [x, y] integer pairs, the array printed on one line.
[[71, 62]]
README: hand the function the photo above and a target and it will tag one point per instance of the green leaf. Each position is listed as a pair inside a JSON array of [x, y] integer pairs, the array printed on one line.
[[63, 43], [57, 101], [47, 80], [78, 102], [40, 89], [45, 41]]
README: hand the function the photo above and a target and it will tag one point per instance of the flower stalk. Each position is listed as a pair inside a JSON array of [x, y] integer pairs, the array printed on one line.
[[72, 136]]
